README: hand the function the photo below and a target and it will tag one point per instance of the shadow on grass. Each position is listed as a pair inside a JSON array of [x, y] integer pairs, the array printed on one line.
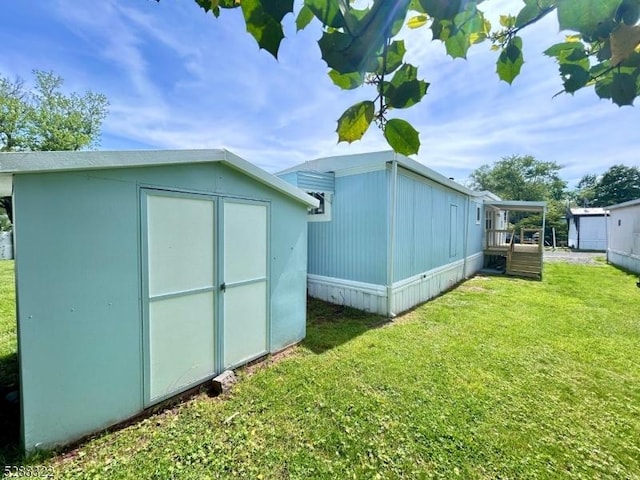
[[10, 451], [329, 325]]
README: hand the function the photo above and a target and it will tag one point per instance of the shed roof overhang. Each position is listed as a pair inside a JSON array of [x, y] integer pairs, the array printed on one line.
[[517, 206], [47, 162]]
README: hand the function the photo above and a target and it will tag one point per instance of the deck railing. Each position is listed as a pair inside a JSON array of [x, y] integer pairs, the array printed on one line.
[[529, 238], [497, 239], [536, 237]]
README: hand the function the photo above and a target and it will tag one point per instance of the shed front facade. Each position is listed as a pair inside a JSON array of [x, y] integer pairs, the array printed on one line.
[[142, 274], [390, 233], [587, 229], [624, 235]]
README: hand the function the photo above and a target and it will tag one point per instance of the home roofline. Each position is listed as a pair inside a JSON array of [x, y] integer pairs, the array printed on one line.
[[385, 157], [629, 203]]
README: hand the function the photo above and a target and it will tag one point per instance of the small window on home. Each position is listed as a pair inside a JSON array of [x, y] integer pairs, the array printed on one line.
[[321, 213], [319, 210], [619, 222], [477, 214]]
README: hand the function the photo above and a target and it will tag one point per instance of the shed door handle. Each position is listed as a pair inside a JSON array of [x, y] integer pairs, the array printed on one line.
[[223, 287]]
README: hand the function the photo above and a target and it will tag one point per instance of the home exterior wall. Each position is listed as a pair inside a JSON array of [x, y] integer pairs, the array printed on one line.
[[437, 241], [78, 275], [624, 237], [353, 245]]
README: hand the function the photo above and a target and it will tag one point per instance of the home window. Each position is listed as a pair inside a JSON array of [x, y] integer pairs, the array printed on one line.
[[477, 214], [321, 213]]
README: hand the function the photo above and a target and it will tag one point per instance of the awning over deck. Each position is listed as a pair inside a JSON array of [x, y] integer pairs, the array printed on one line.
[[517, 205]]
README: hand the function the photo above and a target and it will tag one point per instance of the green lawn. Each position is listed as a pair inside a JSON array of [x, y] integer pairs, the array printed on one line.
[[500, 378], [8, 340]]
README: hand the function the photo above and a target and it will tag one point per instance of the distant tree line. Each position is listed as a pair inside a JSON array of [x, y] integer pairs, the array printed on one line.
[[44, 118], [523, 177]]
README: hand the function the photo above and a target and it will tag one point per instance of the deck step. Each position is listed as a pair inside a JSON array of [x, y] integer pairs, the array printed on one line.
[[525, 264]]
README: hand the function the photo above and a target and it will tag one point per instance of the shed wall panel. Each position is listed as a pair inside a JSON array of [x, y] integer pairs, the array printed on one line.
[[593, 233], [78, 276]]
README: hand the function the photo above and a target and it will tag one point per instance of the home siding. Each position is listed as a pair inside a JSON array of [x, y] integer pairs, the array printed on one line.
[[430, 226], [353, 245], [624, 237]]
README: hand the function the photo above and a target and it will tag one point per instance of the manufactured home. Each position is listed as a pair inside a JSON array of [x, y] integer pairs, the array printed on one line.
[[389, 232], [587, 229], [140, 275], [624, 235]]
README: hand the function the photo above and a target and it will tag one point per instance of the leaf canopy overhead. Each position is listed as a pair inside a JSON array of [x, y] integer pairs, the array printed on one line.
[[357, 44]]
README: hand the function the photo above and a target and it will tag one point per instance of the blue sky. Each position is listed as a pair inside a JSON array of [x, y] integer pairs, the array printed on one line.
[[179, 78]]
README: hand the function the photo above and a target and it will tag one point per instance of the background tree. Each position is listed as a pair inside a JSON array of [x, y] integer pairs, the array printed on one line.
[[45, 118], [585, 192], [520, 177], [618, 184], [523, 177], [360, 48]]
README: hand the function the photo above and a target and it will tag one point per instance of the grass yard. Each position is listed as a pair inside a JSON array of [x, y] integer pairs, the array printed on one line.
[[8, 339], [500, 378]]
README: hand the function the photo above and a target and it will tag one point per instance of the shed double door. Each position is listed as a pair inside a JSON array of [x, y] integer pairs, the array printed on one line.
[[205, 288]]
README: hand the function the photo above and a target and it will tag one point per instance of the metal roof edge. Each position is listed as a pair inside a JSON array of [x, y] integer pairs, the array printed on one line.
[[379, 158], [629, 203], [518, 205], [266, 178], [60, 161], [12, 163]]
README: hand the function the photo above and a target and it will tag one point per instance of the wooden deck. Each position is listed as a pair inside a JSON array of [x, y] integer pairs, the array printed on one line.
[[523, 258]]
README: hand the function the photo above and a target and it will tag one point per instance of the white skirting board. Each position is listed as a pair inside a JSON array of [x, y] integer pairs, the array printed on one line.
[[405, 294], [628, 261]]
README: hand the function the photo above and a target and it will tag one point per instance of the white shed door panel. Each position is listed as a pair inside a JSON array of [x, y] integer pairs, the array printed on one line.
[[245, 281], [181, 303], [180, 244], [181, 342]]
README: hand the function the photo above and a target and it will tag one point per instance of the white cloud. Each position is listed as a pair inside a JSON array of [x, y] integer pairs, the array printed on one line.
[[179, 78]]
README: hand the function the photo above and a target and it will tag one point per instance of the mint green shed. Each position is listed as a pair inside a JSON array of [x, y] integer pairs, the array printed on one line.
[[142, 274]]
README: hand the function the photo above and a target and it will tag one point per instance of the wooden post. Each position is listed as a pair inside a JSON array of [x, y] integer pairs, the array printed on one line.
[[553, 233]]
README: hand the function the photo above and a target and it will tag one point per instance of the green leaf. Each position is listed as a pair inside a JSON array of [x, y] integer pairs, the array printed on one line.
[[304, 18], [585, 16], [623, 89], [395, 55], [574, 76], [405, 90], [533, 9], [442, 9], [510, 60], [402, 137], [560, 49], [603, 87], [341, 52], [417, 21], [507, 21], [356, 49], [355, 121], [457, 45], [263, 19], [346, 81], [327, 11]]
